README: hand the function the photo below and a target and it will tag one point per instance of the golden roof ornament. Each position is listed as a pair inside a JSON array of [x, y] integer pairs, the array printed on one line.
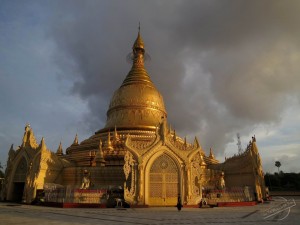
[[59, 151], [185, 143], [202, 162], [211, 155], [196, 143], [116, 136], [100, 155], [100, 149], [43, 144], [29, 138], [174, 136], [108, 142], [75, 142]]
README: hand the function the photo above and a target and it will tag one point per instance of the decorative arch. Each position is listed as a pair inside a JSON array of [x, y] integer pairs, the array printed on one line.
[[21, 170], [163, 177], [17, 177]]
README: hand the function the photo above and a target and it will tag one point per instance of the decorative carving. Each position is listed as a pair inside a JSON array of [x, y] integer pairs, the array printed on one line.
[[163, 129], [196, 178], [180, 144], [29, 138], [129, 161], [140, 145], [222, 181], [130, 169], [86, 181]]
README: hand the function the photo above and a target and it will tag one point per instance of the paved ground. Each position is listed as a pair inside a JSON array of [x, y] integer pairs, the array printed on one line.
[[275, 212]]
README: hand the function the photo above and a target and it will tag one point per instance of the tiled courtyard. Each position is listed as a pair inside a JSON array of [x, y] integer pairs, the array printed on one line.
[[36, 215]]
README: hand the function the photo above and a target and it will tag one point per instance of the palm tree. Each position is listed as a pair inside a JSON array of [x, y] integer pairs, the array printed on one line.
[[278, 164]]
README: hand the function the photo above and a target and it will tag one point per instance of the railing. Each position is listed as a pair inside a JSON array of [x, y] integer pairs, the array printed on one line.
[[234, 194], [72, 195]]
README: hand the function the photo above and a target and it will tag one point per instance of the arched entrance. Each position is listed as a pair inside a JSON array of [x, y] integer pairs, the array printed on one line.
[[163, 182], [19, 180]]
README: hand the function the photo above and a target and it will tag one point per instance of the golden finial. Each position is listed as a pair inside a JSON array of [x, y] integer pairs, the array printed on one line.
[[139, 43], [139, 27]]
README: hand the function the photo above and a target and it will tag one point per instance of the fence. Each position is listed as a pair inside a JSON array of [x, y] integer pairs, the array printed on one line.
[[61, 194]]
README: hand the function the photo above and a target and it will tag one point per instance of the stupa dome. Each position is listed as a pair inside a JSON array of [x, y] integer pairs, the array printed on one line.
[[137, 103]]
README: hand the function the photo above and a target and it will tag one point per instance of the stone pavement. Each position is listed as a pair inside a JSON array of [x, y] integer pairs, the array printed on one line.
[[37, 215]]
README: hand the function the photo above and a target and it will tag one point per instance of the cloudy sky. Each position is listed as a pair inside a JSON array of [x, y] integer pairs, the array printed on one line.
[[223, 67]]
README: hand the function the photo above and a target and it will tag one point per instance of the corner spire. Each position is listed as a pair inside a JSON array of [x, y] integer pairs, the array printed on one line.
[[185, 143], [59, 150], [116, 136], [100, 161], [108, 142], [196, 143], [211, 155], [75, 142], [174, 136], [43, 144]]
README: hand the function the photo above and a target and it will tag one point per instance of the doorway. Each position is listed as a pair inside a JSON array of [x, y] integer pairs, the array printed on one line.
[[18, 191], [164, 182]]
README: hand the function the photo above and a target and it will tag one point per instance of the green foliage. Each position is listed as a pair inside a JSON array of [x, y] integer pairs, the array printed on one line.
[[283, 181]]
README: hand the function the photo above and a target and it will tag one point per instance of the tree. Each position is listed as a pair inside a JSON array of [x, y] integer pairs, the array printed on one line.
[[1, 172], [278, 164]]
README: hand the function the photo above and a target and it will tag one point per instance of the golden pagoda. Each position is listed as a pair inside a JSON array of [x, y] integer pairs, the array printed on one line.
[[136, 150]]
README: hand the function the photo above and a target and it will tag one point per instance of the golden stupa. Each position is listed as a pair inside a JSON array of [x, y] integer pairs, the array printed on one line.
[[136, 150]]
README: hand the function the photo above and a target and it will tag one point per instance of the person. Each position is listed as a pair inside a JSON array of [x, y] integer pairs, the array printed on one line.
[[179, 205]]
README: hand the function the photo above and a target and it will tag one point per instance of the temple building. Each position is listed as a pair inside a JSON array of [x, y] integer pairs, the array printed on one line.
[[136, 150]]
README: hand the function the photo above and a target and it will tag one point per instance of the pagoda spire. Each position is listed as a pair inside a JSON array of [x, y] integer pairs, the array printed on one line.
[[211, 155], [174, 136], [59, 151], [116, 138], [138, 73], [185, 143], [75, 142], [108, 143], [43, 144], [100, 161], [196, 143]]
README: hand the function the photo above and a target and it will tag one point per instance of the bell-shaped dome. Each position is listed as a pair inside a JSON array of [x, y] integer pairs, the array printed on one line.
[[137, 103]]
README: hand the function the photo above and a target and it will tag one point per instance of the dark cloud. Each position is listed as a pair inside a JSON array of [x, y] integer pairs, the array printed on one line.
[[222, 66]]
